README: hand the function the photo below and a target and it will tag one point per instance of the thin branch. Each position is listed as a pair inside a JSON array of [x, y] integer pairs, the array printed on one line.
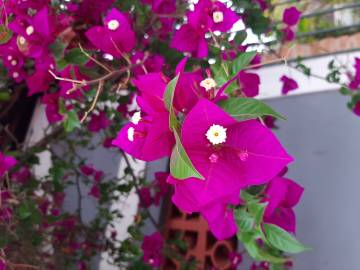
[[93, 59], [93, 104]]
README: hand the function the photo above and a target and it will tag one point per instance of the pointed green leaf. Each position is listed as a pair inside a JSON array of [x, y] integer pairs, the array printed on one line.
[[169, 99], [247, 108], [242, 61], [5, 34], [282, 240], [71, 122], [244, 220], [257, 210], [180, 163], [76, 56], [261, 255]]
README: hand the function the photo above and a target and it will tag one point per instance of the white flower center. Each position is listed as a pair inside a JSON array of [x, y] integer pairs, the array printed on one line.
[[16, 75], [22, 40], [130, 134], [218, 17], [135, 119], [113, 25], [216, 134], [13, 62], [29, 30], [208, 83]]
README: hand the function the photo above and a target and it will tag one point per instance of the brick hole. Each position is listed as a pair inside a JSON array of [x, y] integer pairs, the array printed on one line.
[[191, 238], [221, 255], [170, 265], [211, 240], [192, 216]]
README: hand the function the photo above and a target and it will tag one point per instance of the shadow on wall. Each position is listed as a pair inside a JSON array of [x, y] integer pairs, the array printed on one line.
[[324, 137]]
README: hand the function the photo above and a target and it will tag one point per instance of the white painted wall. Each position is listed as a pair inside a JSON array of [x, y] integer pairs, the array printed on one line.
[[270, 76]]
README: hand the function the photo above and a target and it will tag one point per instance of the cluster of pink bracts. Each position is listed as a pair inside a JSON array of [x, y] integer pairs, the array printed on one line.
[[229, 154]]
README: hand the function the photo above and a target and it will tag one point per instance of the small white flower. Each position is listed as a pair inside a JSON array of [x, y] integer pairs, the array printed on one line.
[[16, 75], [13, 62], [9, 58], [29, 30], [208, 83], [113, 25], [216, 134], [22, 40], [218, 17], [135, 119], [130, 133]]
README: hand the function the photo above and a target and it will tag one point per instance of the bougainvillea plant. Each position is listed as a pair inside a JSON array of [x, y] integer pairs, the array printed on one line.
[[149, 79]]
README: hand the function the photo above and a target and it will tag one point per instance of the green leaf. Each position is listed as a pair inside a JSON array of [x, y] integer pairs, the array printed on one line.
[[247, 108], [24, 211], [5, 34], [169, 99], [277, 267], [240, 37], [76, 56], [257, 210], [242, 61], [4, 96], [282, 240], [345, 91], [181, 166], [57, 49], [71, 122], [244, 220], [261, 255]]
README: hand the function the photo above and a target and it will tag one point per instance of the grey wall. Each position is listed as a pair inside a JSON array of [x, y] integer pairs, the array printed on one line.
[[324, 137]]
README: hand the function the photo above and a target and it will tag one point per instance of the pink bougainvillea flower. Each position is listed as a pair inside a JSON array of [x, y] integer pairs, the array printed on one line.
[[190, 39], [151, 91], [34, 33], [152, 246], [87, 170], [220, 220], [288, 85], [357, 108], [282, 195], [22, 175], [250, 83], [355, 82], [164, 6], [235, 259], [189, 90], [40, 80], [270, 122], [145, 197], [2, 264], [161, 186], [52, 107], [148, 137], [72, 72], [151, 63], [288, 34], [6, 163], [92, 10], [207, 15], [223, 17], [262, 4], [228, 154], [95, 191], [291, 16], [98, 122], [117, 35], [12, 57]]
